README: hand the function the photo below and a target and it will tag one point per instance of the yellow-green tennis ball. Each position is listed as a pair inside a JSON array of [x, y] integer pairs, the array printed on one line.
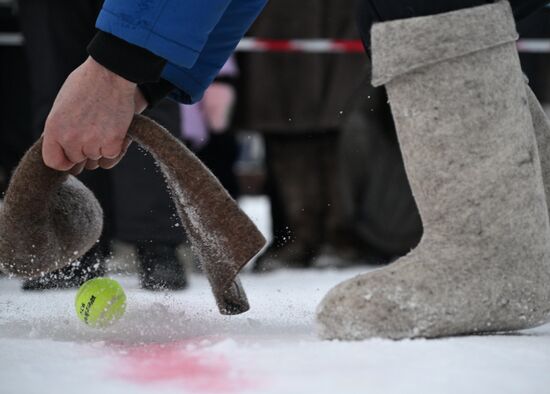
[[100, 302]]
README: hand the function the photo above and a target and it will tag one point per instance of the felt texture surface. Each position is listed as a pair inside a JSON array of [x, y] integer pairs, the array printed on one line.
[[467, 139], [221, 235], [50, 219]]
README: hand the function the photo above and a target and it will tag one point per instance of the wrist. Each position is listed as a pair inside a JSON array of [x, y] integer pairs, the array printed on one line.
[[102, 73]]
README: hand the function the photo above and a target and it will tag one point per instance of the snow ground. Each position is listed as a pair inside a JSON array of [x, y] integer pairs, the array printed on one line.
[[178, 343]]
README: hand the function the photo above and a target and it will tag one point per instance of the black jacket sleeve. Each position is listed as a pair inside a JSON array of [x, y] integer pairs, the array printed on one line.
[[155, 91], [130, 61]]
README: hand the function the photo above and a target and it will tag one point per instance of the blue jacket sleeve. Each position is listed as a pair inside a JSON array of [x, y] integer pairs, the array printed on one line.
[[193, 81], [196, 37], [175, 30]]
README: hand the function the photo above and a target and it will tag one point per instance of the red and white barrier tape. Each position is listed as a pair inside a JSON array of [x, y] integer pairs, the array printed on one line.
[[534, 45], [11, 39], [249, 44], [306, 45], [530, 45]]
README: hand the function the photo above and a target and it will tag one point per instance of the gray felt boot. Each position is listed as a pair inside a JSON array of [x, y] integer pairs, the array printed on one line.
[[461, 111]]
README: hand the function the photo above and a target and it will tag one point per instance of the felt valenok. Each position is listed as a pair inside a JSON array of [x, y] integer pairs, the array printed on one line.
[[49, 218]]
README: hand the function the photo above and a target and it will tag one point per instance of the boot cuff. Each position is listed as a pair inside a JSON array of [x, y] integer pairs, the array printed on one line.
[[404, 45]]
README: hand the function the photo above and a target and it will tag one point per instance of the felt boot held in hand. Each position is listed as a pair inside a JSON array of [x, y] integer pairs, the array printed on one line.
[[221, 235], [466, 134], [50, 219]]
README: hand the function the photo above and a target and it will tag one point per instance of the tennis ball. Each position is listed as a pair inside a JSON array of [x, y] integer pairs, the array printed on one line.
[[100, 302]]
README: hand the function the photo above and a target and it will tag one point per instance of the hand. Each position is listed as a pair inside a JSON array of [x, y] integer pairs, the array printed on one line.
[[87, 125], [141, 105], [217, 105]]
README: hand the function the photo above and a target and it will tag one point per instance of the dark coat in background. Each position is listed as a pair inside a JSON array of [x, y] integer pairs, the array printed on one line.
[[143, 210], [298, 102], [379, 207], [57, 33], [536, 65], [15, 123], [297, 92]]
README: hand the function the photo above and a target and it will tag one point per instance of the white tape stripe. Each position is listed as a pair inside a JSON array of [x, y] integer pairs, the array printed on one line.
[[530, 45], [248, 44], [534, 45], [11, 39]]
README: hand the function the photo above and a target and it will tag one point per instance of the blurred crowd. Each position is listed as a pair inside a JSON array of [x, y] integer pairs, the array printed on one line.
[[331, 164]]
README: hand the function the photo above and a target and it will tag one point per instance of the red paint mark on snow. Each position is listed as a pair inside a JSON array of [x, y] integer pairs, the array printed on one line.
[[184, 364]]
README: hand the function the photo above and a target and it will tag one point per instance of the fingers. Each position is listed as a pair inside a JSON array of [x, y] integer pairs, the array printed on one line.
[[77, 169], [68, 159], [103, 162], [90, 158], [63, 155], [91, 152], [74, 154], [112, 149], [108, 163], [89, 118], [100, 162], [54, 155], [92, 165]]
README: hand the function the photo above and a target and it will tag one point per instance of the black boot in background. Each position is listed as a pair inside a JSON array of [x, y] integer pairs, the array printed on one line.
[[160, 268], [90, 266]]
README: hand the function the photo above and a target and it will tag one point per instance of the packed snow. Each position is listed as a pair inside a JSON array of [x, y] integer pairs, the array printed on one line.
[[178, 343]]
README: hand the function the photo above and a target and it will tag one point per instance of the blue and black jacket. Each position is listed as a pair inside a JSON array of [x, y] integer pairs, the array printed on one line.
[[178, 46], [162, 44]]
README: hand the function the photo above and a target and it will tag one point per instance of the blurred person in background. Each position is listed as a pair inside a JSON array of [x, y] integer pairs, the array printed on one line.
[[15, 126], [207, 127], [136, 205], [378, 201], [298, 102], [537, 65]]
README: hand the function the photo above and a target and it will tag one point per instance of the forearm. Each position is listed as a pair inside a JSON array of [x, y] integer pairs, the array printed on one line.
[[132, 63]]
